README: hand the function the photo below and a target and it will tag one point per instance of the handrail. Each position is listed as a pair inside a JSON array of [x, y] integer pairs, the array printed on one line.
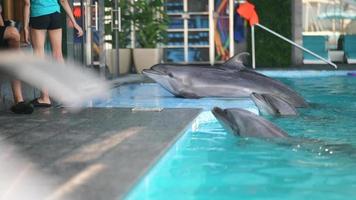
[[295, 44], [253, 47]]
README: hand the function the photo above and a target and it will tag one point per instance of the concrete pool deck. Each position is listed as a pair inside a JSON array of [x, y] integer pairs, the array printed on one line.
[[119, 143]]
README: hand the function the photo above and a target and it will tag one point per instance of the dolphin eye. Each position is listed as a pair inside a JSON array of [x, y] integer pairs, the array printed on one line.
[[170, 75]]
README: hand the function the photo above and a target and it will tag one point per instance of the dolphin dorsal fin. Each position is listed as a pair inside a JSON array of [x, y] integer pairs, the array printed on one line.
[[235, 62]]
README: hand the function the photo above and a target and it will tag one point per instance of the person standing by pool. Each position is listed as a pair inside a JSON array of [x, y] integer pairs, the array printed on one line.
[[10, 39], [43, 16]]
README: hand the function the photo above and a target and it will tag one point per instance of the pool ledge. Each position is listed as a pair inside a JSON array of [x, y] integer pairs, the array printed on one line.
[[112, 147]]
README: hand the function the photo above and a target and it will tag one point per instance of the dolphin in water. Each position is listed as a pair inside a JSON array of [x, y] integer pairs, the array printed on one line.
[[246, 124], [231, 79], [273, 105]]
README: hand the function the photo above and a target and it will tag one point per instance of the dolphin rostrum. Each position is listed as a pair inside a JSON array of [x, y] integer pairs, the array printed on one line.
[[273, 105], [230, 79], [247, 124]]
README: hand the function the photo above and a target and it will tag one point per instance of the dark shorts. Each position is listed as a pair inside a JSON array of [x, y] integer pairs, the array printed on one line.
[[47, 22], [2, 40]]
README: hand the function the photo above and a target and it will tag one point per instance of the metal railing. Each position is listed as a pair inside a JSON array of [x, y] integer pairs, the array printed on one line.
[[285, 39]]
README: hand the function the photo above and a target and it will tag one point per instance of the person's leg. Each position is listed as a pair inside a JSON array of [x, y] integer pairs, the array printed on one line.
[[12, 37], [55, 37], [38, 38]]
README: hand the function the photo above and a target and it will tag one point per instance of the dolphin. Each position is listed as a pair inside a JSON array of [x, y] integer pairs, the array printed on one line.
[[273, 105], [231, 79], [247, 124]]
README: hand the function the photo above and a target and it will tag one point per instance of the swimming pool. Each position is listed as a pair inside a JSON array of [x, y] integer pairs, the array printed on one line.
[[208, 163]]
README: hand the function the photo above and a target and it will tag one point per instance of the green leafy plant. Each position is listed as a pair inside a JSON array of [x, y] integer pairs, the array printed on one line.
[[150, 21], [125, 34]]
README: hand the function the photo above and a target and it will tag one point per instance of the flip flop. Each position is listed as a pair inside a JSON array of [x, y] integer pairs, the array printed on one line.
[[35, 103], [22, 108]]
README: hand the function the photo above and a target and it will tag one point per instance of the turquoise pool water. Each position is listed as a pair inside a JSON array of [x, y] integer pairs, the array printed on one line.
[[208, 163]]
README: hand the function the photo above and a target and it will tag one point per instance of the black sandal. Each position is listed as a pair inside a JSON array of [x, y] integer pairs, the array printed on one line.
[[35, 103], [22, 108]]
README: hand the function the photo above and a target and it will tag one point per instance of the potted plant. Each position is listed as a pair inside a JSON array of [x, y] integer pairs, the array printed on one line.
[[151, 23], [125, 52]]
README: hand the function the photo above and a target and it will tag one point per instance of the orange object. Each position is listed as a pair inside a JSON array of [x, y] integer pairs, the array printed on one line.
[[77, 12], [247, 11]]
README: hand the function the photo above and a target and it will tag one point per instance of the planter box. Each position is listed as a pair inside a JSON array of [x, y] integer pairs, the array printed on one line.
[[146, 58], [124, 59]]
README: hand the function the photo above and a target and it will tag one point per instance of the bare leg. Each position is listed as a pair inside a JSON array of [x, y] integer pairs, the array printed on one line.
[[55, 37], [16, 91], [38, 38], [12, 37]]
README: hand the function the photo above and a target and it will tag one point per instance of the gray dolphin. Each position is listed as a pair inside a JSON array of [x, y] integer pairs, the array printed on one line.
[[273, 105], [247, 124], [230, 79]]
